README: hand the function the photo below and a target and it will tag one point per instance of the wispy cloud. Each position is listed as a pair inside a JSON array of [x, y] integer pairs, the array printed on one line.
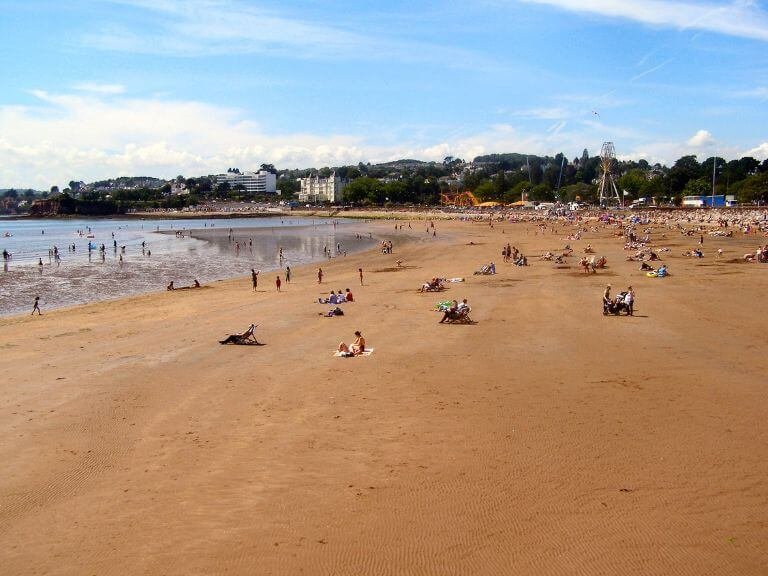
[[743, 18], [760, 93], [99, 88], [546, 113], [650, 70], [194, 28]]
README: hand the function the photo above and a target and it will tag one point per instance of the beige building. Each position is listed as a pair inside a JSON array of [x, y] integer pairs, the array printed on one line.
[[316, 189]]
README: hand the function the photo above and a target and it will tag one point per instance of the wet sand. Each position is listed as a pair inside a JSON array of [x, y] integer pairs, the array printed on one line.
[[82, 278], [544, 439]]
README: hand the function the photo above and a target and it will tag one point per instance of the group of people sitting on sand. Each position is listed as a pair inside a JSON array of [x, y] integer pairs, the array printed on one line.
[[486, 269], [341, 297], [434, 285], [456, 312], [661, 272], [693, 253], [195, 284], [590, 265]]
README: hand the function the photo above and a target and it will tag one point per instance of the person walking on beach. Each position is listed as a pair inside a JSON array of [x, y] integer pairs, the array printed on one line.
[[360, 272], [278, 283], [254, 279], [36, 306], [319, 275], [606, 299], [288, 274], [629, 300]]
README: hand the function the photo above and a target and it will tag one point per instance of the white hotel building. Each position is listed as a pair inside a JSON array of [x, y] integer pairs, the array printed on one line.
[[261, 182], [316, 189]]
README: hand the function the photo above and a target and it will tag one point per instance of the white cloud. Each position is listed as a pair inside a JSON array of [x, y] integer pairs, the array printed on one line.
[[85, 137], [94, 136], [91, 136], [701, 139], [97, 88], [743, 18], [760, 152]]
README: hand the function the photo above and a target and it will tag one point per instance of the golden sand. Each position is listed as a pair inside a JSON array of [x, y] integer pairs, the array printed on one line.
[[544, 439]]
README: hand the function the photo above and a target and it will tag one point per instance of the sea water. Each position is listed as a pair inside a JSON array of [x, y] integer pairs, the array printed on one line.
[[145, 255]]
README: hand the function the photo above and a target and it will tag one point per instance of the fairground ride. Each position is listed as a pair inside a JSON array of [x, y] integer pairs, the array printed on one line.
[[609, 193], [458, 199]]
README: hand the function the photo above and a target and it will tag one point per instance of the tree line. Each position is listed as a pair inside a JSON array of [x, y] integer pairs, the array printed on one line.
[[494, 177]]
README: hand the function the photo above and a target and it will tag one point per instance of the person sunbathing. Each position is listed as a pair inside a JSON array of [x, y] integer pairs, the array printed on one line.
[[246, 337], [357, 347], [451, 312], [434, 285]]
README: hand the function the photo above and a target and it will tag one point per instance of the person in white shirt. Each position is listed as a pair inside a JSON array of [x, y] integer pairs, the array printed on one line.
[[629, 300]]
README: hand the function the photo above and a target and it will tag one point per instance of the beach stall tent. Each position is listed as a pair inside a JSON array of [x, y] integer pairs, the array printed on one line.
[[521, 204]]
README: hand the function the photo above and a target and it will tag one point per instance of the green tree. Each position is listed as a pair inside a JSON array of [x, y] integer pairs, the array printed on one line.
[[633, 182], [686, 168], [364, 190], [754, 189], [698, 187], [499, 185], [485, 191]]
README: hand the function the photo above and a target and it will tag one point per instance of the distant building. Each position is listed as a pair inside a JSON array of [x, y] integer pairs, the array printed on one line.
[[316, 189], [261, 182], [179, 189]]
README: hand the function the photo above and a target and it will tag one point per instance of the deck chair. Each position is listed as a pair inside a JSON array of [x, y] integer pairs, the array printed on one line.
[[460, 317], [245, 338]]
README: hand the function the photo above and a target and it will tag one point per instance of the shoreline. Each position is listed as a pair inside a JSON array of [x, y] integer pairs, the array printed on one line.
[[212, 237]]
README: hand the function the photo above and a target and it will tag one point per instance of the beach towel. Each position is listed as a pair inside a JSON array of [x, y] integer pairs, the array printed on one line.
[[366, 352]]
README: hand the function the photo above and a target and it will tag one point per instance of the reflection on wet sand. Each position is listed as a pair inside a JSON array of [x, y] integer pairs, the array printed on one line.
[[206, 255]]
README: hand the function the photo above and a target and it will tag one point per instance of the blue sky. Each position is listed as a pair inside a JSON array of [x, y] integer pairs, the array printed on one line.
[[99, 88]]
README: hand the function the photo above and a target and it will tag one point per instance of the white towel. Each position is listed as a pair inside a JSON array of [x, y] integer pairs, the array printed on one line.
[[366, 352]]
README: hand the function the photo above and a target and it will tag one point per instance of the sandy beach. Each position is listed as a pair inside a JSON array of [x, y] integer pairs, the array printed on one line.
[[545, 438]]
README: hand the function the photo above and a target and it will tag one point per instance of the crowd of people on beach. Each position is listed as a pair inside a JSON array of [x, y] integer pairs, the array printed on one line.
[[638, 229]]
